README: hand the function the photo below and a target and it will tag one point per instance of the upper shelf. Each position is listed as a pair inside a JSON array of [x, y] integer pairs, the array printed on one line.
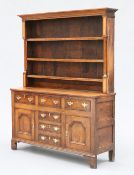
[[66, 39]]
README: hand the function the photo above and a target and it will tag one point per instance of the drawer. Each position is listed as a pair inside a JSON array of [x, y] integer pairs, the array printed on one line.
[[51, 140], [27, 98], [49, 127], [49, 116], [81, 104], [49, 101]]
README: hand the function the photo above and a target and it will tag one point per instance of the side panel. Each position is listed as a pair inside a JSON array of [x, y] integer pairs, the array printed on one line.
[[110, 54], [105, 124]]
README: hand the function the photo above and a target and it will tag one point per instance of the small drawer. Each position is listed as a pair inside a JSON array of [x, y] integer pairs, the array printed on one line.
[[81, 104], [51, 140], [49, 101], [48, 116], [49, 128], [26, 98]]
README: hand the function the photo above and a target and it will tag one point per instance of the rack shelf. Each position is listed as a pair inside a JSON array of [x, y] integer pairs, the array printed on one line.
[[65, 78], [66, 39], [66, 60]]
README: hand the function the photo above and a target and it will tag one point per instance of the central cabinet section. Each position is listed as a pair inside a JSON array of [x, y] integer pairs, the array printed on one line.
[[49, 128], [53, 120]]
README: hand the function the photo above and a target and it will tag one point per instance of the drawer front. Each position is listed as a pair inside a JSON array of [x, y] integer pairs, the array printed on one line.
[[49, 116], [81, 104], [51, 140], [49, 128], [26, 98], [49, 101]]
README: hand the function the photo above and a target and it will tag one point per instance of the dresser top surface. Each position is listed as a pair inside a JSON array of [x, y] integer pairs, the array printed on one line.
[[71, 13], [82, 93]]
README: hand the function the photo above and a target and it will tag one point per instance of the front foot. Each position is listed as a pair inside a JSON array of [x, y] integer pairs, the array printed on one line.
[[92, 161], [111, 155], [13, 144]]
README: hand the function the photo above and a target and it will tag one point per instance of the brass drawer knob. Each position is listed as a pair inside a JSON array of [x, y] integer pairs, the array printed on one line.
[[70, 103], [43, 138], [105, 76], [84, 105], [43, 126], [43, 100], [55, 128], [43, 115], [30, 99], [18, 97], [56, 117], [56, 140], [55, 102]]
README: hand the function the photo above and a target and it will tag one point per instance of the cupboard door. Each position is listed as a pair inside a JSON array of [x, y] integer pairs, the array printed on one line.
[[24, 124], [78, 133]]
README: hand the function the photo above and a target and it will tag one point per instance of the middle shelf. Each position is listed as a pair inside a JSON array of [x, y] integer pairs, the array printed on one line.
[[66, 49], [66, 60], [67, 39]]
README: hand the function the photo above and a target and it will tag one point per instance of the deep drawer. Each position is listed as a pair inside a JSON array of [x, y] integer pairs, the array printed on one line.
[[49, 127], [51, 140]]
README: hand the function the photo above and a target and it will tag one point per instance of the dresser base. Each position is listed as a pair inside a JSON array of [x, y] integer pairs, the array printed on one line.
[[77, 122]]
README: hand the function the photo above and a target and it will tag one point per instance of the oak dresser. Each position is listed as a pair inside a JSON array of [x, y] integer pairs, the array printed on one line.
[[67, 99]]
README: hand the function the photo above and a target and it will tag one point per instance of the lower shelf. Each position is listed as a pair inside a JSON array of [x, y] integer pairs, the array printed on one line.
[[66, 78], [66, 60]]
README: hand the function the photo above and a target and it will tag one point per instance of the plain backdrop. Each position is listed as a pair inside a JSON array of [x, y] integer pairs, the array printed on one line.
[[31, 160]]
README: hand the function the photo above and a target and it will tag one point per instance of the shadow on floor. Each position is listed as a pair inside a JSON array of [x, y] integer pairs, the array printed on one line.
[[59, 155]]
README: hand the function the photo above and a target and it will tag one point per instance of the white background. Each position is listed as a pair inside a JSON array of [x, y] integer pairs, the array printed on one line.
[[32, 160]]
